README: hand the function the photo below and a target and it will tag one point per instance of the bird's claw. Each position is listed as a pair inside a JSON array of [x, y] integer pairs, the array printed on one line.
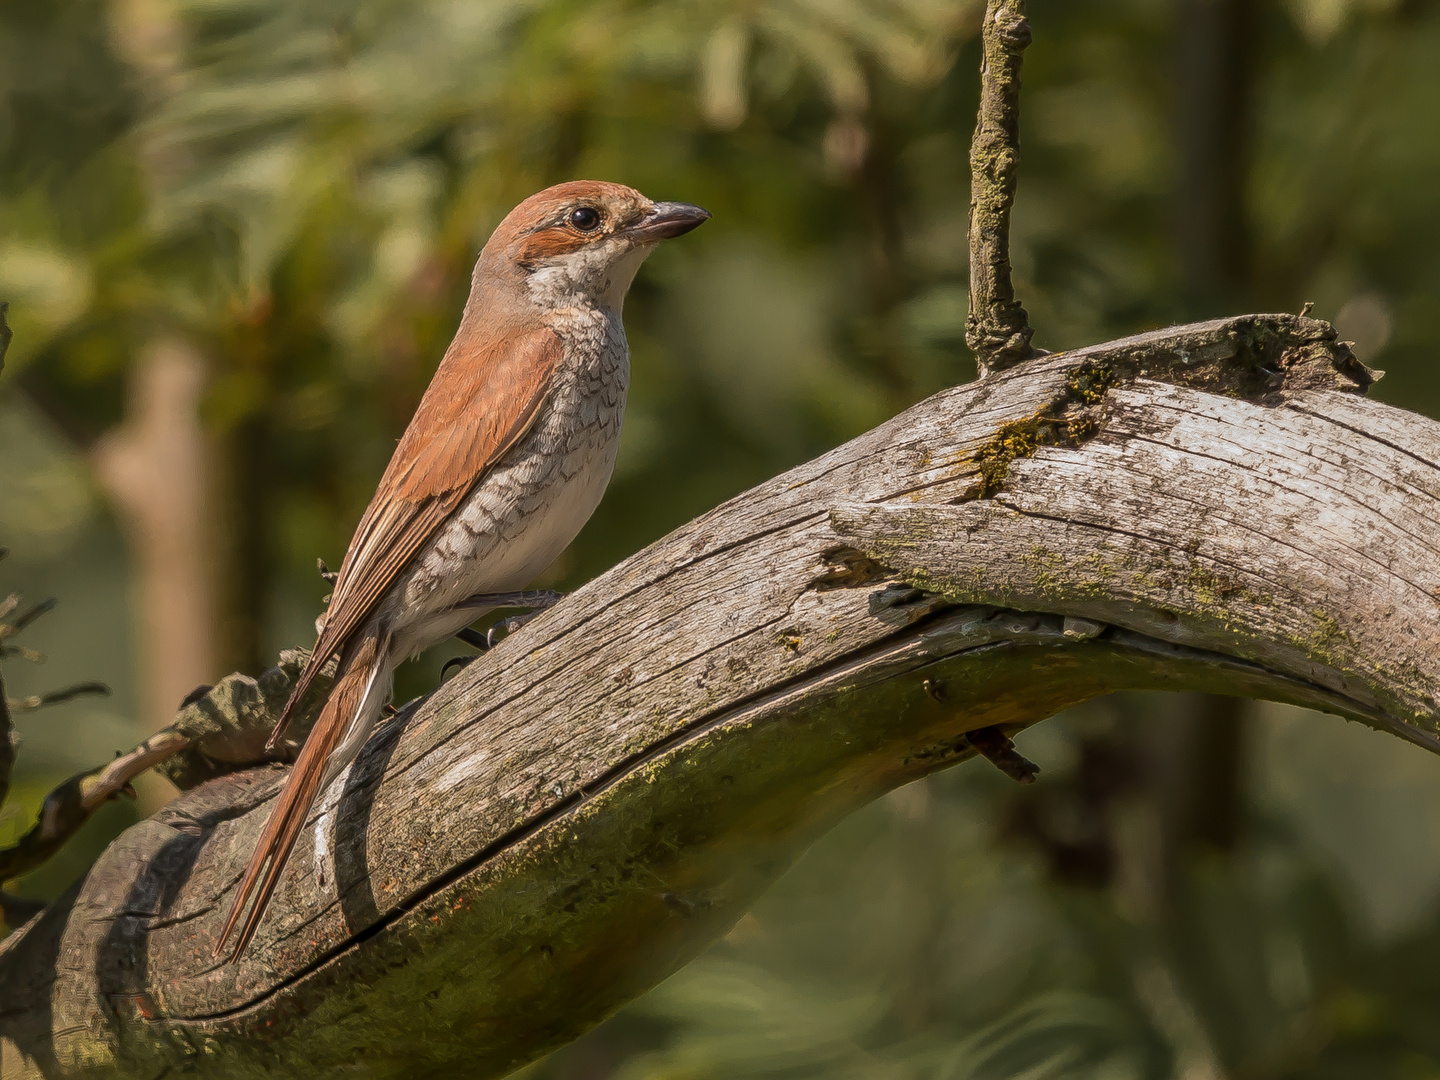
[[454, 662], [538, 601], [486, 641], [509, 625], [473, 638]]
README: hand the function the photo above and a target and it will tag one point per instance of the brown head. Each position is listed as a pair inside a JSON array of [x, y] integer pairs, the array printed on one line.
[[580, 243]]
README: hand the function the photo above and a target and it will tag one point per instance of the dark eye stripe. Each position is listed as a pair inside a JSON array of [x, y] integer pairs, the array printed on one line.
[[548, 243]]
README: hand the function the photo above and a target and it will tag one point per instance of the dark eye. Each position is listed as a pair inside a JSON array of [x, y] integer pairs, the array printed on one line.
[[585, 218]]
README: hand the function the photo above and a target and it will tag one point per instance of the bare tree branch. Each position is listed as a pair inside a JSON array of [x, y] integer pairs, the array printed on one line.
[[59, 697], [70, 805], [593, 801], [66, 808]]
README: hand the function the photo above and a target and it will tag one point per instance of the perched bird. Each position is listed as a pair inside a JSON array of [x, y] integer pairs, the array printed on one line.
[[506, 458]]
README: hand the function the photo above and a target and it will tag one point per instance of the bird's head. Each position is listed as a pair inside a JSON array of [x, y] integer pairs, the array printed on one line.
[[581, 242]]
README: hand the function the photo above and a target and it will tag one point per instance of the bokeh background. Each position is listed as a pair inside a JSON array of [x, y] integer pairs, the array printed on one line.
[[236, 235]]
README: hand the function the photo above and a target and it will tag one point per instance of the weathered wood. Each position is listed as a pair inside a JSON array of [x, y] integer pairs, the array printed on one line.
[[591, 803]]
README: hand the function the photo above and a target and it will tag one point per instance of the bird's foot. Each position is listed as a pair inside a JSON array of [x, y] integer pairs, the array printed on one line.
[[537, 600], [473, 638], [454, 662], [510, 625]]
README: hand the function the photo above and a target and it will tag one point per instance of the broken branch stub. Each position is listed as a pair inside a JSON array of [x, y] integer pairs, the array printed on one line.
[[595, 800]]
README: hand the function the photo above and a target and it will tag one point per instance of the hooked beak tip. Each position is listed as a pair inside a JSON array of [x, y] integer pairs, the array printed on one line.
[[668, 220]]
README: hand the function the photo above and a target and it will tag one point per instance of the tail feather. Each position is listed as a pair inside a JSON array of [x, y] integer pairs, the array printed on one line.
[[330, 641], [360, 668]]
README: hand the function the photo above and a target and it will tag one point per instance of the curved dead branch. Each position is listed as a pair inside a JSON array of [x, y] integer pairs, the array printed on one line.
[[588, 805]]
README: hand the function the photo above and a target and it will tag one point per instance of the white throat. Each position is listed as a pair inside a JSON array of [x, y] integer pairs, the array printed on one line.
[[595, 277]]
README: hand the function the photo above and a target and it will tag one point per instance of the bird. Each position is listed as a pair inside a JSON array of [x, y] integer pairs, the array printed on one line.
[[506, 457]]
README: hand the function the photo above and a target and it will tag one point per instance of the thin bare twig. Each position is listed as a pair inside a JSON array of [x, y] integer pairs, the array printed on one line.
[[7, 745], [13, 628], [67, 807], [997, 330], [56, 697], [5, 334], [221, 730], [997, 748]]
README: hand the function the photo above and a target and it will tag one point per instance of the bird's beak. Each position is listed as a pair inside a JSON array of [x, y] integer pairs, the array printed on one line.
[[666, 220]]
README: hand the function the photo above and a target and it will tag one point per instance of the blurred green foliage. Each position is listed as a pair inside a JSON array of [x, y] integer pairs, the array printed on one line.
[[299, 187]]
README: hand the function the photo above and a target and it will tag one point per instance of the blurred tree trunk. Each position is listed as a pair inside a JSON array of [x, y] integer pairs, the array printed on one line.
[[1200, 800], [1215, 48], [1196, 776], [173, 483], [157, 469]]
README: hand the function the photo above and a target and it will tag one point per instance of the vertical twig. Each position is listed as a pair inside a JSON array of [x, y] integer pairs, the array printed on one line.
[[7, 745], [997, 329], [4, 334]]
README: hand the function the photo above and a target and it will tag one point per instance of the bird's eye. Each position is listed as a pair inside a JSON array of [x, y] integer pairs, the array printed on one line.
[[585, 218]]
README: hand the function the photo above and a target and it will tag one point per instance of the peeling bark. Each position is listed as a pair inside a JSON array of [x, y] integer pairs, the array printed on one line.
[[594, 801]]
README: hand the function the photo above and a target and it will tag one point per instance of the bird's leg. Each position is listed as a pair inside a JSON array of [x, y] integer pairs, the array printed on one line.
[[537, 600]]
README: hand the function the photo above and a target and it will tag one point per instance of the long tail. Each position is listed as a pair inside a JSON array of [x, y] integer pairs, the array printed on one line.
[[354, 702]]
